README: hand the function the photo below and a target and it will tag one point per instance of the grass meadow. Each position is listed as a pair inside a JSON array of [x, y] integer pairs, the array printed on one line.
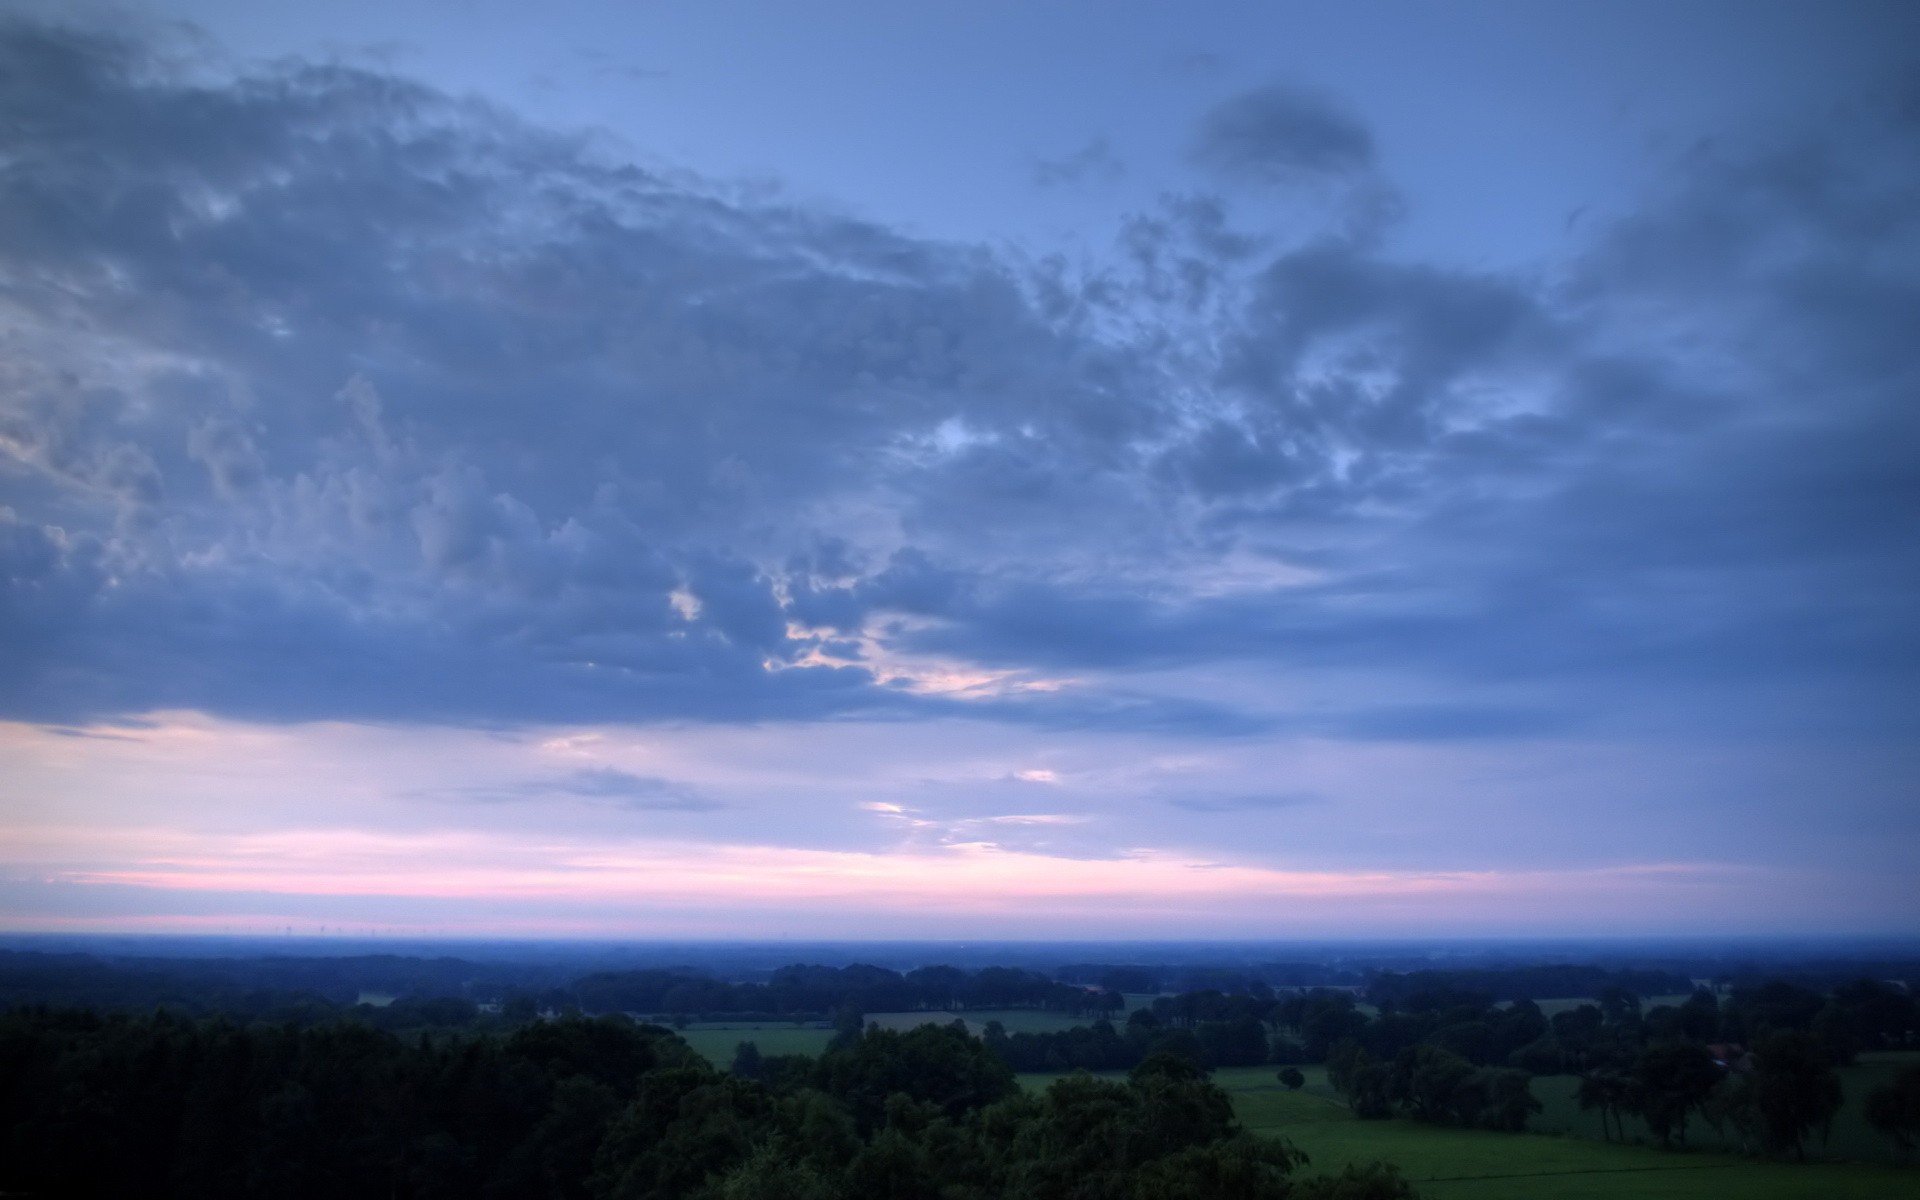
[[718, 1040]]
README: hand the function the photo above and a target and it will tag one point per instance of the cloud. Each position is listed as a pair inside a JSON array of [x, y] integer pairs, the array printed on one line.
[[1243, 802], [609, 786], [387, 405], [326, 396], [648, 793], [1094, 162], [1281, 134]]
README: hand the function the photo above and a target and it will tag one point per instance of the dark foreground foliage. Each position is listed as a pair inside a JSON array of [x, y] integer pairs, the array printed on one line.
[[165, 1106]]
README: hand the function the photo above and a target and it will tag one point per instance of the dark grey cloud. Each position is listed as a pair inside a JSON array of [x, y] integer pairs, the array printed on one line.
[[626, 790], [323, 377], [1093, 163], [1282, 134], [325, 395], [608, 786]]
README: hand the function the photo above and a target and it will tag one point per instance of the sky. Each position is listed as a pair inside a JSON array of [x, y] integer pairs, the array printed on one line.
[[972, 471]]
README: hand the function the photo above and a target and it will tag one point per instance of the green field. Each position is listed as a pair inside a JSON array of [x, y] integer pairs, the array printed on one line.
[[717, 1040], [1467, 1164], [1015, 1020]]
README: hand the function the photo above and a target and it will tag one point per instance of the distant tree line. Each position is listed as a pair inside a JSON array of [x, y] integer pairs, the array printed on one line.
[[254, 983], [448, 991], [1240, 1042], [1543, 982], [602, 1109], [1758, 1067], [1142, 978], [817, 990]]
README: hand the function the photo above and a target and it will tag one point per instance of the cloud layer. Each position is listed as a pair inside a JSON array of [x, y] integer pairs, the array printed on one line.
[[328, 395]]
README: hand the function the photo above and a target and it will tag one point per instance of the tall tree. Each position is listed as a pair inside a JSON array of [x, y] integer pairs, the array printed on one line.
[[1610, 1091], [1893, 1108], [1796, 1091], [1670, 1082]]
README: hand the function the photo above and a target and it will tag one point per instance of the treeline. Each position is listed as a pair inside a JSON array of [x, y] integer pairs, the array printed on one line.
[[1216, 1029], [1242, 1042], [1864, 1014], [602, 1109], [818, 991], [306, 990], [1431, 1083], [1143, 978], [1759, 1067], [255, 985], [1544, 982]]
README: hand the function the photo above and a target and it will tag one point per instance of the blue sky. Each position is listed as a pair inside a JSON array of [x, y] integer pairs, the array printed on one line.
[[980, 471]]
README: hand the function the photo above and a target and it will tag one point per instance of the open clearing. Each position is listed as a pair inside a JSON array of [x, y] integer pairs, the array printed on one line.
[[717, 1042]]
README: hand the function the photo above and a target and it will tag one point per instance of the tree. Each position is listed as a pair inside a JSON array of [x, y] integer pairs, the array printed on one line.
[[1618, 1004], [1542, 1056], [520, 1008], [771, 1173], [1371, 1096], [747, 1063], [1236, 1043], [1344, 1060], [1732, 1107], [1883, 1015], [1375, 1181], [1699, 1017], [1893, 1108], [1796, 1091], [1329, 1017], [1834, 1026], [849, 1023], [1670, 1082], [1509, 1099], [1775, 1006], [1292, 1079], [1609, 1091], [1243, 1166], [1426, 1080], [941, 1065]]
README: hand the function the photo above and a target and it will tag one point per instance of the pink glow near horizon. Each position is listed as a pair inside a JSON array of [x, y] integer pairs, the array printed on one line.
[[179, 827], [970, 878]]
